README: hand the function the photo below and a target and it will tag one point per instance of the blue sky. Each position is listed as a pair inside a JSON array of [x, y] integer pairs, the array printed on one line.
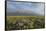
[[25, 7]]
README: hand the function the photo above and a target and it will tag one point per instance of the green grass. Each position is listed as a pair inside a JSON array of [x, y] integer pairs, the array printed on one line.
[[25, 22]]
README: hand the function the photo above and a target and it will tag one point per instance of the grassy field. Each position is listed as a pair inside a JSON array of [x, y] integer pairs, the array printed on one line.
[[25, 22]]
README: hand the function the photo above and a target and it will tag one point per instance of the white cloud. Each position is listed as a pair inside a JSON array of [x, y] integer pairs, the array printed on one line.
[[37, 8]]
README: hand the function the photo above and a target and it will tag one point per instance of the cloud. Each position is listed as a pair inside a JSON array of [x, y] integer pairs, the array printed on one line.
[[36, 8], [40, 9]]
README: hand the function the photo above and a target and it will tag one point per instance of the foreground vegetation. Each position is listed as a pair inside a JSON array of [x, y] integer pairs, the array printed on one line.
[[24, 22]]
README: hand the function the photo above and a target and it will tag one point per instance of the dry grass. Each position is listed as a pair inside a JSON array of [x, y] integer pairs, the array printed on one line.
[[24, 22]]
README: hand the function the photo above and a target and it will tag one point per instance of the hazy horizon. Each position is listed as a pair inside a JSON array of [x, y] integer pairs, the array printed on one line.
[[21, 8]]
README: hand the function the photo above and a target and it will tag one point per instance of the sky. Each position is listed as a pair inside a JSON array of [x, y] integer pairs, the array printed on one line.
[[28, 8]]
